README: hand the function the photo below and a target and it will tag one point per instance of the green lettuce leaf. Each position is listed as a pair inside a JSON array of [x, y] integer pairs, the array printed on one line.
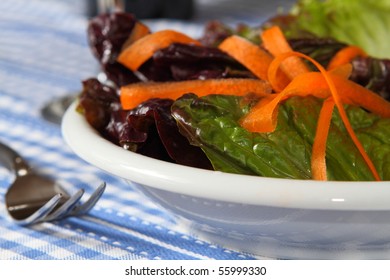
[[212, 123], [355, 22]]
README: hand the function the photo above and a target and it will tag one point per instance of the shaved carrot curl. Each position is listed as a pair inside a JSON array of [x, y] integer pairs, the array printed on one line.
[[133, 94], [141, 50], [318, 159], [345, 55], [139, 30], [262, 118], [252, 57], [276, 43], [344, 70], [314, 83]]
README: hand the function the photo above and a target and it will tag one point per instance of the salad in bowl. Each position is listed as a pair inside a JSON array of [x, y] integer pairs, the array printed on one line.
[[274, 137]]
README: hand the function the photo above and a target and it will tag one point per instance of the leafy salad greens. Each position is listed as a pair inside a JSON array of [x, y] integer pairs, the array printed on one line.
[[362, 23], [212, 123]]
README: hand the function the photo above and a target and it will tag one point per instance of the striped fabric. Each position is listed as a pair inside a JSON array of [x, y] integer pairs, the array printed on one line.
[[44, 55]]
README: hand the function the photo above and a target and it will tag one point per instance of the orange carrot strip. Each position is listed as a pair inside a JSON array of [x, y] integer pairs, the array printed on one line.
[[314, 83], [344, 70], [355, 94], [252, 57], [318, 159], [276, 43], [263, 115], [345, 55], [133, 94], [139, 30], [143, 49]]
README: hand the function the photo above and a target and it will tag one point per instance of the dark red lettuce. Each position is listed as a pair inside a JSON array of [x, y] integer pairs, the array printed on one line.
[[149, 129], [106, 36], [373, 73], [190, 62], [97, 101]]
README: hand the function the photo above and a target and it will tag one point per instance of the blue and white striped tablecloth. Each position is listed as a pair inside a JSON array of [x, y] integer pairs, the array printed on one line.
[[44, 55]]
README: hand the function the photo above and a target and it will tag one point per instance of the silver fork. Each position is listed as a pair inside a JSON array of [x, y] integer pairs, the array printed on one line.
[[32, 198]]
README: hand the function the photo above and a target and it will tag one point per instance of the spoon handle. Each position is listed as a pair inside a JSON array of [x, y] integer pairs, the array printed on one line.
[[13, 161]]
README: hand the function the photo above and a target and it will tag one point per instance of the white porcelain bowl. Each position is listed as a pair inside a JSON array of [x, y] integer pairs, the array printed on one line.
[[264, 216]]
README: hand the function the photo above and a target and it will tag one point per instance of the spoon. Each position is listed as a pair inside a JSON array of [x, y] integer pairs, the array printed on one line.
[[55, 109]]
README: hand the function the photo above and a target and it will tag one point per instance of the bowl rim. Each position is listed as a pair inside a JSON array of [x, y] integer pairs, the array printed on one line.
[[215, 185]]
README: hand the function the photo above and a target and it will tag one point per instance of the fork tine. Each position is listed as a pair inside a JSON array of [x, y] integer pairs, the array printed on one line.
[[86, 206], [42, 212], [65, 208]]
